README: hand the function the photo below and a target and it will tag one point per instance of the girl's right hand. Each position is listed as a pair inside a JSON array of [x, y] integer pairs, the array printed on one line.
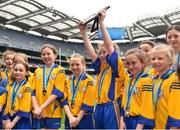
[[73, 122], [82, 27]]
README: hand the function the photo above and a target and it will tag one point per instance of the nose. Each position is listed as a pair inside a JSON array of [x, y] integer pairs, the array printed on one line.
[[130, 66]]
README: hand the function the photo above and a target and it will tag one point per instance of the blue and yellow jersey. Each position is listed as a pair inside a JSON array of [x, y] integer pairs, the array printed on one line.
[[161, 100], [6, 76], [21, 104], [110, 78], [55, 86], [142, 92], [174, 104], [85, 97], [2, 96]]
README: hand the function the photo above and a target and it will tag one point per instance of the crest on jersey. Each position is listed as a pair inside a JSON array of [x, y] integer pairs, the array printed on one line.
[[20, 95], [83, 89], [161, 93], [136, 91], [53, 76]]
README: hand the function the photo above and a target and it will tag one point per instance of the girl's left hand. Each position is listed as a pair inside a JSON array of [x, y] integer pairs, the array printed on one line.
[[38, 111], [9, 125]]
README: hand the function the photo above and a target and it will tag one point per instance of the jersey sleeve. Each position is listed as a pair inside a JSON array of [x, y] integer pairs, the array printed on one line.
[[59, 84], [64, 101], [174, 105], [97, 65], [116, 64], [33, 84], [2, 96], [6, 114]]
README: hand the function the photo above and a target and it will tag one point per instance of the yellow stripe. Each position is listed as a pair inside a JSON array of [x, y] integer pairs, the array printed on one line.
[[117, 111]]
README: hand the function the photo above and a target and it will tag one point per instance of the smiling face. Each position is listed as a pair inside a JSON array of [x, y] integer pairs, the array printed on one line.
[[133, 64], [9, 60], [160, 61], [19, 72], [173, 39], [102, 53], [48, 56], [76, 66]]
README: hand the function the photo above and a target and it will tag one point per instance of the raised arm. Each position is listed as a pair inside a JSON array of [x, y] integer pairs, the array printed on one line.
[[88, 46], [106, 37]]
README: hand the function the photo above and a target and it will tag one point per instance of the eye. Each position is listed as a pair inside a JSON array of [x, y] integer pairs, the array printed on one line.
[[176, 36], [153, 58], [169, 37]]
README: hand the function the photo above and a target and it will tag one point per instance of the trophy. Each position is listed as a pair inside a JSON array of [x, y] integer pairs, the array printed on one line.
[[95, 18]]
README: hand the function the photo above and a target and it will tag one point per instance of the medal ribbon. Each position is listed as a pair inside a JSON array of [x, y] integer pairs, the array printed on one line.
[[46, 78], [156, 91], [75, 89], [15, 92], [130, 90], [101, 81]]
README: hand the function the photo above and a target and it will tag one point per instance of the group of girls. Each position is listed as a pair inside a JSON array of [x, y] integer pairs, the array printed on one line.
[[35, 100], [142, 94], [150, 85]]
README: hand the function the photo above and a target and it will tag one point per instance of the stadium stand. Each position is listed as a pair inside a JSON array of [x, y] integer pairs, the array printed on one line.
[[30, 15]]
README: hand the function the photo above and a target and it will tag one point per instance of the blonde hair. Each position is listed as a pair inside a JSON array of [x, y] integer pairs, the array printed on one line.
[[165, 49], [7, 52], [52, 47], [23, 55], [77, 55], [138, 53]]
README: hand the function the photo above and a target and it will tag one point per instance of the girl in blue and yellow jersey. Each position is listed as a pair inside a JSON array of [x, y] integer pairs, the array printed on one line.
[[110, 78], [80, 95], [162, 59], [21, 57], [136, 109], [18, 106], [146, 47], [48, 83], [174, 104], [2, 103], [173, 40], [7, 70]]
